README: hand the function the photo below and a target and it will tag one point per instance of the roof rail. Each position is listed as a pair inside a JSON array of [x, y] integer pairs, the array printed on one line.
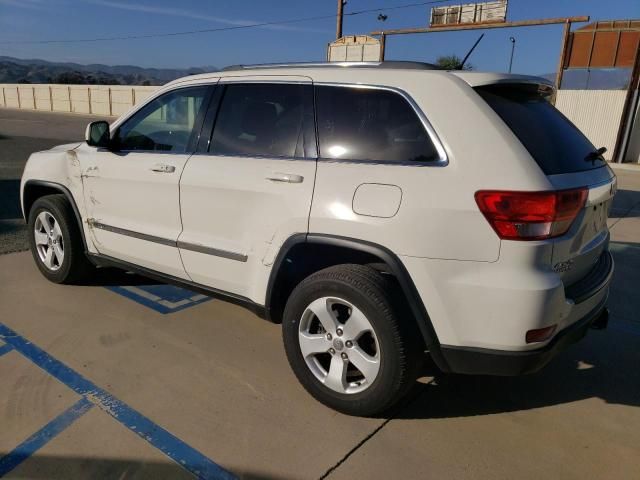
[[394, 64]]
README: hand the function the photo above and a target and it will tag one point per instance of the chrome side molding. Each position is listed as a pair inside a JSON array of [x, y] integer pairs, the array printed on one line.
[[239, 257]]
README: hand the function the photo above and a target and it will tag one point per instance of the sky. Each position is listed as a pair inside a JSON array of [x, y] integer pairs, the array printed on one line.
[[536, 52]]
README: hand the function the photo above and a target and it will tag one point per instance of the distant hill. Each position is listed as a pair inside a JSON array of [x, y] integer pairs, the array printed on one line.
[[16, 70]]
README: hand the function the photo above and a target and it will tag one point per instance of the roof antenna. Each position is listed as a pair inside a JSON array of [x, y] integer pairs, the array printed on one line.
[[466, 57]]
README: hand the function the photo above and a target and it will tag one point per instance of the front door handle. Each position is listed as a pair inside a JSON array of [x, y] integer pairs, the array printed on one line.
[[285, 177], [163, 168]]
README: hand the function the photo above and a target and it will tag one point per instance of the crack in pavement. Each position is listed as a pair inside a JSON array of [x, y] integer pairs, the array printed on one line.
[[355, 449], [406, 404]]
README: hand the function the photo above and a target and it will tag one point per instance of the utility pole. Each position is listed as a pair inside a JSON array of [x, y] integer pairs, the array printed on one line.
[[339, 19], [513, 47], [566, 33]]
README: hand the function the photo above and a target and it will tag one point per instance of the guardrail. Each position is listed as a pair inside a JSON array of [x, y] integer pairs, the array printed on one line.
[[104, 100]]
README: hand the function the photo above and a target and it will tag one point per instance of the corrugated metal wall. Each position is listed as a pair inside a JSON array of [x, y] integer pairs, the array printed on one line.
[[92, 99], [596, 112]]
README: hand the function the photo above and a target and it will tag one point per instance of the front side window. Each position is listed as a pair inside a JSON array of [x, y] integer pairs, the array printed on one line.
[[263, 120], [165, 124], [370, 124]]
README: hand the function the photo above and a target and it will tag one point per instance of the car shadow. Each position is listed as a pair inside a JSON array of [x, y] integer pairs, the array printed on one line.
[[624, 301], [114, 277], [602, 366], [11, 226], [10, 199], [75, 467]]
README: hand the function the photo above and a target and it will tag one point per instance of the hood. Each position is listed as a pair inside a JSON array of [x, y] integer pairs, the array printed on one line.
[[64, 148]]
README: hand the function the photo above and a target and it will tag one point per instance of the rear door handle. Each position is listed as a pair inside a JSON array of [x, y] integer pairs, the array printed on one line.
[[285, 177], [163, 168]]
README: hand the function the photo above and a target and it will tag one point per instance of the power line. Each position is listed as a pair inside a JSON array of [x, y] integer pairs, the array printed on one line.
[[223, 29]]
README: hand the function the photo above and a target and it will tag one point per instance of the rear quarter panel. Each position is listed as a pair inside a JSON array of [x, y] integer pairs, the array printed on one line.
[[438, 217]]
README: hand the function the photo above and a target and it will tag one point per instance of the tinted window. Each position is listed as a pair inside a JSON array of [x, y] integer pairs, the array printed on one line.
[[165, 124], [552, 140], [263, 119], [370, 124]]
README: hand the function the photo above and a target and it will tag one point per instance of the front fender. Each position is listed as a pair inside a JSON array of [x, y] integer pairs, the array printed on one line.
[[55, 170], [60, 165]]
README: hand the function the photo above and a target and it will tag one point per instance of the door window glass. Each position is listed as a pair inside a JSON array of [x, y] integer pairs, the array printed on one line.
[[370, 124], [165, 124], [263, 120]]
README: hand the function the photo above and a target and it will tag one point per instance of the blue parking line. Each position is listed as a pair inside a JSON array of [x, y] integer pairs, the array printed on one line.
[[161, 298], [6, 348], [36, 441], [186, 456]]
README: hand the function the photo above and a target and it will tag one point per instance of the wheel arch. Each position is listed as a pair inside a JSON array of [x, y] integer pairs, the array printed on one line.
[[303, 254], [35, 189]]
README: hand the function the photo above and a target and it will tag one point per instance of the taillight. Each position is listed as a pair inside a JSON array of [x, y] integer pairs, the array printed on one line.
[[531, 215]]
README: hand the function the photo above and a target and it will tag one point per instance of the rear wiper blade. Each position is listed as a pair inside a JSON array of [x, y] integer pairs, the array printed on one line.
[[595, 155]]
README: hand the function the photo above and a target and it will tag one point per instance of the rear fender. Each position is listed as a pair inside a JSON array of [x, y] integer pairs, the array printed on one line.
[[393, 264]]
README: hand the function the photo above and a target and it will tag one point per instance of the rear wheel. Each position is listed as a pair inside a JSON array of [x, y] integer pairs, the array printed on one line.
[[56, 242], [345, 341]]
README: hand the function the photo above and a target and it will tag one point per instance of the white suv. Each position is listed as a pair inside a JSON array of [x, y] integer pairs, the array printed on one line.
[[377, 211]]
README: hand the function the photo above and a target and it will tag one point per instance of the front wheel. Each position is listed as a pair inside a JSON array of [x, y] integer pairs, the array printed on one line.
[[346, 343], [56, 242]]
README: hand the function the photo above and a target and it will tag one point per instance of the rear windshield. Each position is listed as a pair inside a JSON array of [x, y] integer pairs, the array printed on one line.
[[551, 139]]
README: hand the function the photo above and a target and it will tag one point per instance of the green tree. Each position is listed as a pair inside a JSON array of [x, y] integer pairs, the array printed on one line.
[[452, 62], [70, 78]]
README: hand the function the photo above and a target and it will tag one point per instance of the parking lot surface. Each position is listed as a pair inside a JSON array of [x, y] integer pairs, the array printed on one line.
[[125, 378]]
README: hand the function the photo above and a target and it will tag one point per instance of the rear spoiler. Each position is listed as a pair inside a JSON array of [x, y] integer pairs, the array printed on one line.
[[479, 79]]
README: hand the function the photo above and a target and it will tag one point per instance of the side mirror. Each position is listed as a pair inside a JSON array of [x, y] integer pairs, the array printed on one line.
[[97, 134]]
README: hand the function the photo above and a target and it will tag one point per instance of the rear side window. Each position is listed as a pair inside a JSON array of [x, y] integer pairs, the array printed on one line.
[[553, 141], [370, 124], [264, 120]]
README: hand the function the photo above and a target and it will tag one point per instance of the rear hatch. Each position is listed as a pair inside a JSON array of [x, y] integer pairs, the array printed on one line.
[[570, 161]]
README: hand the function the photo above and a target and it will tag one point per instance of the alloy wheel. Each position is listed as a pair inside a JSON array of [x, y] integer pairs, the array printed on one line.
[[49, 241], [339, 345]]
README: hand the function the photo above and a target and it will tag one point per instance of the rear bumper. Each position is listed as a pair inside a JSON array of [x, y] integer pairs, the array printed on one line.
[[596, 280], [481, 361]]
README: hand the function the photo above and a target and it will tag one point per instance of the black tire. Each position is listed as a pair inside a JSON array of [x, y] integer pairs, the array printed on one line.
[[75, 266], [376, 296]]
